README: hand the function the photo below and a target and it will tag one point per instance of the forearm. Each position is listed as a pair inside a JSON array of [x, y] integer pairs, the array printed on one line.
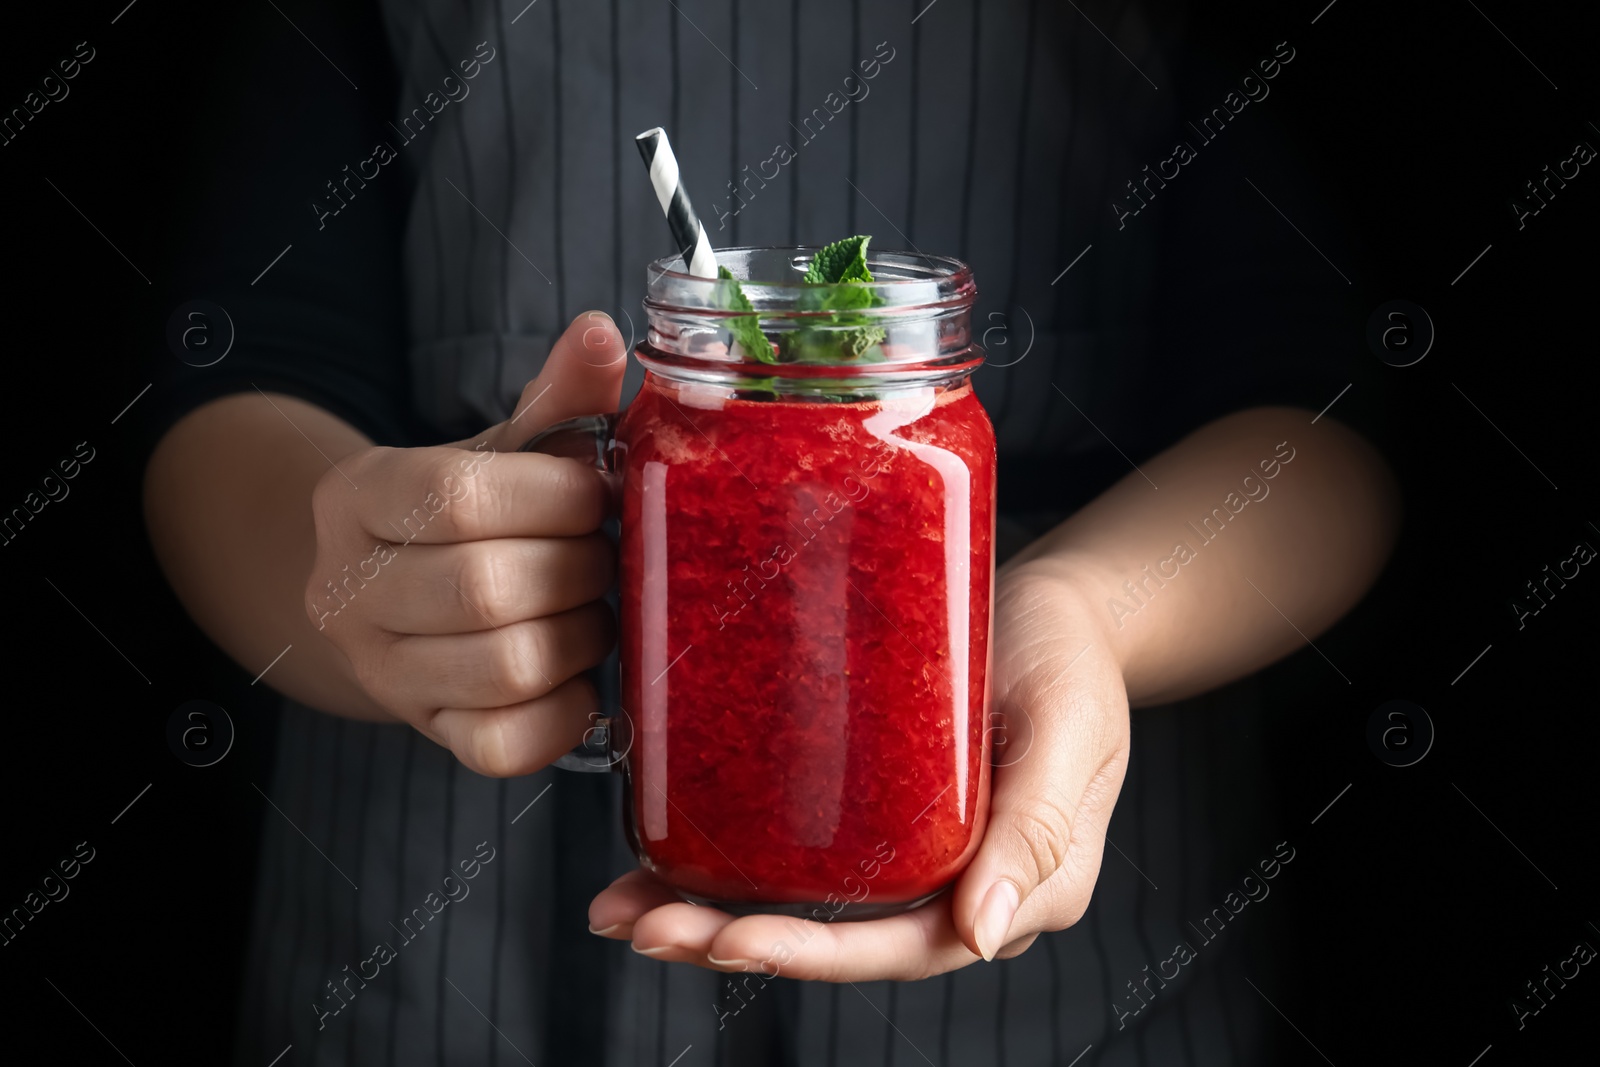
[[1239, 556], [227, 500]]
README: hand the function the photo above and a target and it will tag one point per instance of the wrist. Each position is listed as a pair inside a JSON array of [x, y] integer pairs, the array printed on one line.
[[1081, 583]]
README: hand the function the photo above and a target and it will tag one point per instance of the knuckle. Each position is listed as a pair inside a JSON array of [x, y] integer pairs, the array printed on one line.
[[458, 490], [1045, 831], [329, 497], [316, 614], [324, 604], [514, 668], [468, 510], [483, 581], [432, 496]]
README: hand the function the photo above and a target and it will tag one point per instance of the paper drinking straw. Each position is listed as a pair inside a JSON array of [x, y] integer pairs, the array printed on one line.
[[685, 224]]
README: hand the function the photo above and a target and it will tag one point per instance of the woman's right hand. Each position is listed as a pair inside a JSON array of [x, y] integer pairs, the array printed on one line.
[[463, 582]]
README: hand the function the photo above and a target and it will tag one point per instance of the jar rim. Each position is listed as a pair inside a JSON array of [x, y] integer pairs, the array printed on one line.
[[917, 307], [904, 282]]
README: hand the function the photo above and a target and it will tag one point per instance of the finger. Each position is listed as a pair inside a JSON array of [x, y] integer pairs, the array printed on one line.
[[522, 738], [681, 933], [493, 668], [914, 945], [582, 376], [442, 496], [438, 495], [461, 588], [617, 907], [1048, 811]]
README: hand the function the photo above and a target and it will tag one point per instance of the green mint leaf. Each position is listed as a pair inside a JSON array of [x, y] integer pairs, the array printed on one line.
[[840, 343], [746, 329], [840, 273], [848, 296], [862, 344], [842, 261], [855, 344]]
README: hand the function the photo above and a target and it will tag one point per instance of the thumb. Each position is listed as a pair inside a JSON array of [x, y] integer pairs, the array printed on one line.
[[1049, 808], [582, 376]]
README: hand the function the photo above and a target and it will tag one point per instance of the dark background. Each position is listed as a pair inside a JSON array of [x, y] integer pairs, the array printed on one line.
[[1417, 920]]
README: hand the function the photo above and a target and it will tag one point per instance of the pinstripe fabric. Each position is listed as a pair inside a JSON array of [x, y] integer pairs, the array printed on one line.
[[415, 812], [997, 132], [733, 97]]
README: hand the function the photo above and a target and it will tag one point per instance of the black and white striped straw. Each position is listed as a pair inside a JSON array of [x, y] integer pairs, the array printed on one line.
[[686, 227]]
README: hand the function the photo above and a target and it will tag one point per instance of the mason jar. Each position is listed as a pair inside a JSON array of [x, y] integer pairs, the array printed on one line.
[[806, 569]]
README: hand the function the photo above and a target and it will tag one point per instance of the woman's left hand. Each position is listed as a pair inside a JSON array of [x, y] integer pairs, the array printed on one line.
[[1063, 718]]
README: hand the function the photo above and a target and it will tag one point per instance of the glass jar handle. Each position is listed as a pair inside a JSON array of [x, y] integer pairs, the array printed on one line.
[[589, 439]]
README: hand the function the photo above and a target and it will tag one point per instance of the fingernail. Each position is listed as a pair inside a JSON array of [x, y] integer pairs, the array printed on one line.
[[995, 914], [652, 952], [738, 965], [605, 932]]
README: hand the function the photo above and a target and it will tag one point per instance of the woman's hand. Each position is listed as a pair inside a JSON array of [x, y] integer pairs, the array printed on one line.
[[463, 582], [1063, 673], [1060, 714]]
